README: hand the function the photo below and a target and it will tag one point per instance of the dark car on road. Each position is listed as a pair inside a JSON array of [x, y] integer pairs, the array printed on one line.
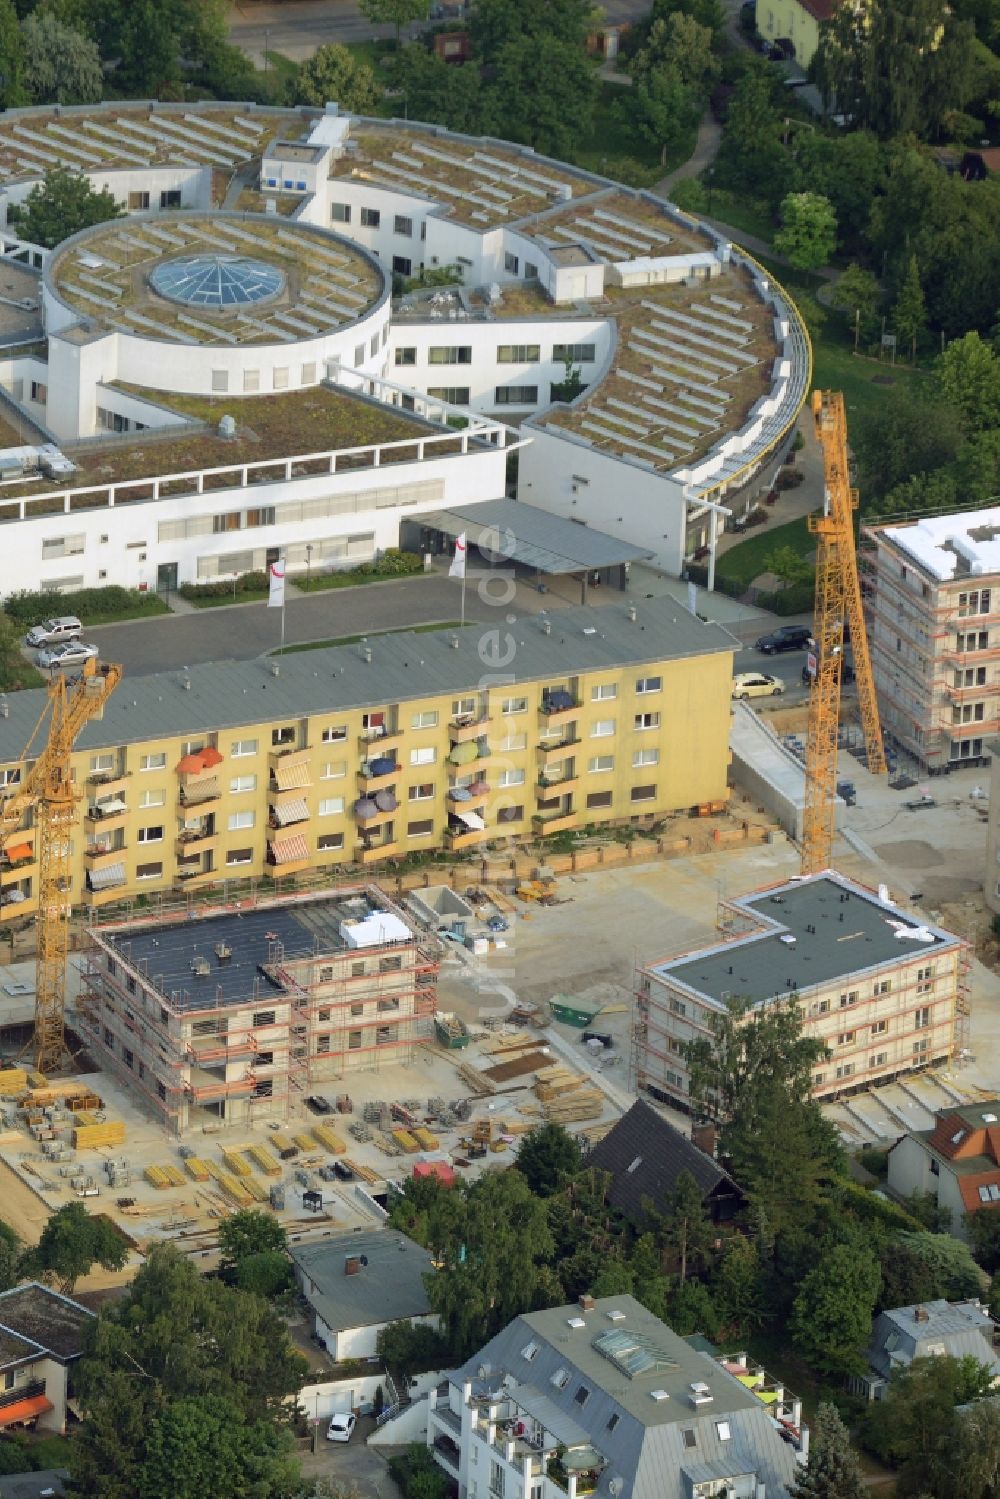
[[787, 638]]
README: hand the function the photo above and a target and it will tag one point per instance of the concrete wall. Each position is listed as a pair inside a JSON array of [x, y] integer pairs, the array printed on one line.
[[767, 770], [910, 1171]]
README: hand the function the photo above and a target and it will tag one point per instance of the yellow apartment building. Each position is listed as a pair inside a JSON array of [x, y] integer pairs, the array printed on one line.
[[350, 756]]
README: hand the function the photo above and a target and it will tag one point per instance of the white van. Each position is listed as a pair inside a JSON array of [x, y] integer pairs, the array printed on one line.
[[55, 631]]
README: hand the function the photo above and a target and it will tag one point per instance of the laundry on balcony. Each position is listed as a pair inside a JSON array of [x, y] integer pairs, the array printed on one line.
[[290, 850], [109, 808], [106, 878], [289, 812]]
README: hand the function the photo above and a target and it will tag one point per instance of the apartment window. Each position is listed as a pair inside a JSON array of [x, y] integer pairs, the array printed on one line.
[[510, 814], [150, 835], [170, 198], [137, 201], [678, 1007], [452, 395], [251, 381], [511, 264], [239, 855], [921, 1047], [402, 265], [153, 762], [645, 757], [516, 395], [148, 871], [239, 820], [851, 998], [331, 806], [646, 721], [461, 707], [371, 218], [449, 354], [598, 799], [643, 793], [574, 353], [974, 640], [354, 1040], [581, 1395], [402, 225], [496, 1479], [649, 684], [818, 1079], [326, 842], [510, 744], [604, 728], [322, 1044], [422, 793], [603, 692], [101, 763], [334, 734], [925, 979], [406, 358], [977, 601], [262, 1018], [282, 736], [242, 783], [511, 705], [243, 747], [884, 986], [422, 829], [220, 381], [333, 770], [127, 1057], [152, 798], [561, 1378], [598, 764], [846, 1069], [690, 1437], [922, 1018], [880, 1027], [63, 546], [425, 755], [879, 1059], [612, 1421], [358, 970], [972, 676], [518, 354], [512, 777], [428, 719], [846, 1038], [340, 213]]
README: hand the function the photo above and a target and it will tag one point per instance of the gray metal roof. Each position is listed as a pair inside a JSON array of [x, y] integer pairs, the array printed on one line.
[[838, 927], [537, 538], [404, 666], [32, 1485], [646, 1445], [957, 1329], [389, 1288]]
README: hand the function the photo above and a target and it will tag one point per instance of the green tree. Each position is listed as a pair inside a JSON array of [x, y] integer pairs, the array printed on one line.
[[808, 233], [544, 93], [62, 204], [72, 1242], [436, 91], [494, 23], [149, 66], [247, 1233], [268, 1274], [788, 566], [199, 1448], [10, 1255], [914, 1426], [900, 438], [547, 1157], [968, 374], [833, 1470], [417, 1475], [615, 1278], [648, 1280], [334, 74], [12, 91], [751, 157], [62, 66], [396, 13], [857, 293], [738, 1288], [909, 315], [680, 43], [660, 107], [175, 1337], [691, 1309], [408, 1348], [955, 1274], [686, 1227], [832, 1314]]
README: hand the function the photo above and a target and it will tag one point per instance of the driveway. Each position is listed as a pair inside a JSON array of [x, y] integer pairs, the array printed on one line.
[[352, 1465]]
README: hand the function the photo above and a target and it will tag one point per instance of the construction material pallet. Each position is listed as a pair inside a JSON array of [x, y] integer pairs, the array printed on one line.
[[406, 1142], [162, 1177], [263, 1159], [476, 1081], [236, 1163], [586, 1103], [95, 1136], [364, 1172], [329, 1139], [197, 1170]]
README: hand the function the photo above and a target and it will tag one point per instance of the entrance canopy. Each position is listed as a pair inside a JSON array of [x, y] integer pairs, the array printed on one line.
[[534, 538]]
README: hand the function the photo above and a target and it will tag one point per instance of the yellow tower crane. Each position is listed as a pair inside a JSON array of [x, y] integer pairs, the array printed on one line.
[[837, 606], [47, 787]]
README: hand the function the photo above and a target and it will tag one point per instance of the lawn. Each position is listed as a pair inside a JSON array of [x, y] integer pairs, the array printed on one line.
[[614, 149], [745, 561], [739, 213]]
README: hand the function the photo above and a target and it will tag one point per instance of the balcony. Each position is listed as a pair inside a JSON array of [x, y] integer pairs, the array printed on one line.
[[546, 823], [554, 754], [205, 794], [548, 787], [784, 1407], [199, 874], [206, 1050], [462, 837], [381, 771], [287, 853], [28, 1391], [108, 815], [448, 1454], [102, 854], [19, 853], [107, 782], [372, 853], [375, 811], [381, 739], [462, 730], [292, 812], [107, 896], [289, 770], [559, 707]]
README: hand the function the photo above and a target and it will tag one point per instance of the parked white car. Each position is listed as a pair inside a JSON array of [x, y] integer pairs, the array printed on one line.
[[757, 684], [341, 1428], [73, 653]]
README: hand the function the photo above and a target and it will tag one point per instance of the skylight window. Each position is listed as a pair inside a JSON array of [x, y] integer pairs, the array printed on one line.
[[561, 1378], [632, 1352], [723, 1431], [958, 1137], [529, 1351]]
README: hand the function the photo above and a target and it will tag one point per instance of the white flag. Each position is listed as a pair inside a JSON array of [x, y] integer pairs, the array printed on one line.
[[457, 568], [276, 585]]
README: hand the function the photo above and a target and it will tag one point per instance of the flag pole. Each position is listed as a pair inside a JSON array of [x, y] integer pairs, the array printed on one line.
[[463, 600]]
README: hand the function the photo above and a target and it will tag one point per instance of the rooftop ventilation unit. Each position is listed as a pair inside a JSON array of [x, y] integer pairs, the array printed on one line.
[[658, 1395], [989, 1119], [615, 1315], [576, 1321]]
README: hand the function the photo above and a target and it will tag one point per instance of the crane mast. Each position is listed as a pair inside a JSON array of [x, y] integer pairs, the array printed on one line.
[[837, 607], [48, 788]]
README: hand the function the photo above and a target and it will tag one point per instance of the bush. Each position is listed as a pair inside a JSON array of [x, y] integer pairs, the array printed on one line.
[[94, 606], [417, 1474], [256, 582], [392, 564], [797, 599], [874, 1161]]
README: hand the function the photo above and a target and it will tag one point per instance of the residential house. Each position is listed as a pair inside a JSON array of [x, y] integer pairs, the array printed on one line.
[[358, 1283], [931, 1330], [797, 21], [42, 1335], [645, 1155], [602, 1398], [958, 1161]]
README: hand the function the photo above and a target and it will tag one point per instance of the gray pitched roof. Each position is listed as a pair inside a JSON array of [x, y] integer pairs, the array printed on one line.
[[389, 1288], [404, 666], [645, 1155], [643, 1439], [907, 1332]]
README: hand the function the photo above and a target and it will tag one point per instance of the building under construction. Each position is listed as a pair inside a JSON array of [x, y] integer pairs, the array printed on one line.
[[235, 1014], [885, 993], [932, 600]]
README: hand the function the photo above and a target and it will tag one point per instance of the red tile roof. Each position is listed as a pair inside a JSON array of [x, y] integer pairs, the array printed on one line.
[[820, 10]]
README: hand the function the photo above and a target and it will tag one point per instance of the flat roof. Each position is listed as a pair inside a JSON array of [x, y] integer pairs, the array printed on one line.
[[404, 666], [260, 939], [388, 1288], [964, 544], [534, 537], [40, 1315], [837, 929]]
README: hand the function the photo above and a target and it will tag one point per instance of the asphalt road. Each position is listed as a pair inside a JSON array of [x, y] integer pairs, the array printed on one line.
[[295, 28]]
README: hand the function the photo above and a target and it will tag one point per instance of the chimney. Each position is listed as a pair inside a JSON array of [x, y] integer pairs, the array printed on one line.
[[920, 1314], [587, 1303], [703, 1135], [352, 1265]]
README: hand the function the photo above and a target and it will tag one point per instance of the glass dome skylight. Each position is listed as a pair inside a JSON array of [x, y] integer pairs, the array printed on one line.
[[215, 282]]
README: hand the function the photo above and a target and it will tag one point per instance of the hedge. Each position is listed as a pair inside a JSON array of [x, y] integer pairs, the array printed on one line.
[[94, 606], [797, 598], [245, 583]]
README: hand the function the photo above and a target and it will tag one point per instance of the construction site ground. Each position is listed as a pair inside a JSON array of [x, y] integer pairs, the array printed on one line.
[[580, 950]]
